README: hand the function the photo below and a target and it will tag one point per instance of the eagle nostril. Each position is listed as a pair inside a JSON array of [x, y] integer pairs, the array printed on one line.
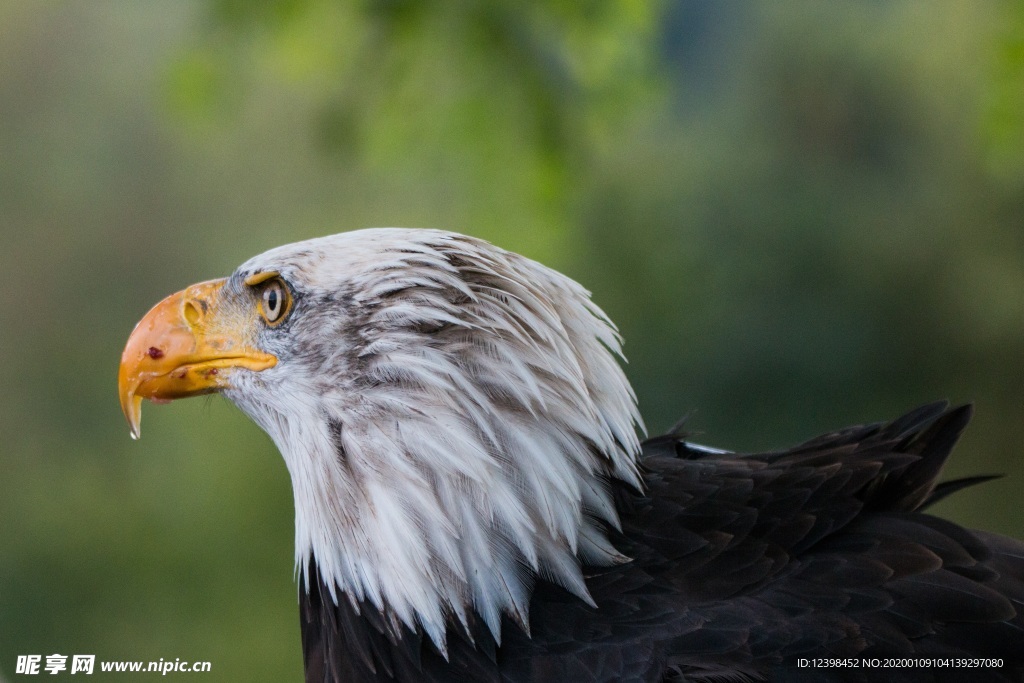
[[192, 312]]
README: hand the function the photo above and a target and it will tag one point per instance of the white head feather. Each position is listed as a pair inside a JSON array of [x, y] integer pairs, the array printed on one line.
[[451, 414]]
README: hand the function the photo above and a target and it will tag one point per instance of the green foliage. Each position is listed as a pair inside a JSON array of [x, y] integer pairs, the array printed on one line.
[[1005, 127], [492, 106]]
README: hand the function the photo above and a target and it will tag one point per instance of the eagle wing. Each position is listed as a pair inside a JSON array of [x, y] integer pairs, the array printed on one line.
[[741, 564]]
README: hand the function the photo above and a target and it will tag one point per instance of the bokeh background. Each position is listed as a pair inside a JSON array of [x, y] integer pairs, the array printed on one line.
[[801, 215]]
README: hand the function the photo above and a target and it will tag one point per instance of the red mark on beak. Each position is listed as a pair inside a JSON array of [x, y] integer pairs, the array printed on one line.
[[155, 353]]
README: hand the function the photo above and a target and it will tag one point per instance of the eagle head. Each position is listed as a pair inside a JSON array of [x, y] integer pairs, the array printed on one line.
[[451, 414]]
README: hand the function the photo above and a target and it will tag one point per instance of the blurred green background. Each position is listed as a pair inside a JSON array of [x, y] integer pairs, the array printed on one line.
[[801, 214]]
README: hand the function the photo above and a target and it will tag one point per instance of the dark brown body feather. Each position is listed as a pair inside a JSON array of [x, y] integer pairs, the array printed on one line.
[[742, 565]]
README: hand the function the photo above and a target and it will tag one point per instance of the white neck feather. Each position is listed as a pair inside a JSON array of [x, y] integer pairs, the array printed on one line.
[[460, 443]]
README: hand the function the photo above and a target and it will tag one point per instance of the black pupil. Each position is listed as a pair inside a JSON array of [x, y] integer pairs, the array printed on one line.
[[272, 302]]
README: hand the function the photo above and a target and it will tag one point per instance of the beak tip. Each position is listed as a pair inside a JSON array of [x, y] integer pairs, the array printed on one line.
[[133, 411]]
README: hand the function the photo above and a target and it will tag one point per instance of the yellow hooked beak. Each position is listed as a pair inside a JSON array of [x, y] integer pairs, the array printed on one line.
[[183, 347]]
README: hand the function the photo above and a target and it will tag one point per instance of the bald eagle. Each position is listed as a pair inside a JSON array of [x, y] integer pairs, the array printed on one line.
[[472, 501]]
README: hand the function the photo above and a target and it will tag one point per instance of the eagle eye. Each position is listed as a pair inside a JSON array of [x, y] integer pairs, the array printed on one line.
[[275, 301]]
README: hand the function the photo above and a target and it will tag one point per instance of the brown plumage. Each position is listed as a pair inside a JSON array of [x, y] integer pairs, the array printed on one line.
[[742, 565], [473, 502]]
